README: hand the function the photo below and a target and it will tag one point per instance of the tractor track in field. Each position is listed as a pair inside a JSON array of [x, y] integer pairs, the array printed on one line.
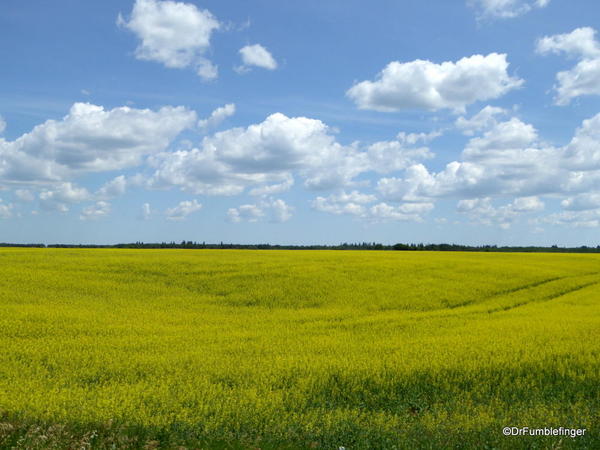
[[544, 299], [512, 291], [480, 306]]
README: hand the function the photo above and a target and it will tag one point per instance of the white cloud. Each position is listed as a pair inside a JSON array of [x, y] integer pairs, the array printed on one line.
[[407, 212], [583, 152], [278, 211], [97, 211], [353, 203], [483, 120], [390, 156], [357, 204], [527, 204], [268, 153], [258, 56], [24, 195], [509, 159], [90, 139], [183, 209], [2, 125], [63, 195], [584, 77], [248, 213], [505, 9], [207, 70], [425, 85], [324, 204], [352, 197], [414, 138], [582, 202], [5, 210], [481, 210], [114, 188], [175, 34], [576, 219], [418, 184], [577, 181], [581, 42], [502, 141], [273, 189], [145, 212], [504, 157], [217, 116]]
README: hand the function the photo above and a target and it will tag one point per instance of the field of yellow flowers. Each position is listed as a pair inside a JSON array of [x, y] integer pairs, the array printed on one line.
[[212, 349]]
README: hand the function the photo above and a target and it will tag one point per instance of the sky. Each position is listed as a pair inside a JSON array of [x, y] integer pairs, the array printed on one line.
[[314, 122]]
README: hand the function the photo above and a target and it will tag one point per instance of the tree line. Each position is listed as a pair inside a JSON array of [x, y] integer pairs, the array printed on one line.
[[341, 246]]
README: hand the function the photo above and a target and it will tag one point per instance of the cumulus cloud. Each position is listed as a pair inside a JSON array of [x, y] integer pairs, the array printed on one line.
[[504, 158], [114, 188], [90, 139], [504, 9], [94, 212], [407, 212], [61, 196], [183, 210], [276, 209], [264, 156], [360, 205], [248, 213], [527, 204], [509, 160], [175, 34], [414, 138], [483, 120], [426, 85], [280, 211], [273, 189], [584, 77], [256, 56], [583, 152], [24, 195], [581, 42], [217, 117], [501, 141], [457, 179], [481, 210], [576, 219], [353, 203], [145, 212], [390, 156], [582, 202], [5, 210]]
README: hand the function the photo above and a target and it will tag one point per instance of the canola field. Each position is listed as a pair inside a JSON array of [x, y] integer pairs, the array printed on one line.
[[297, 349]]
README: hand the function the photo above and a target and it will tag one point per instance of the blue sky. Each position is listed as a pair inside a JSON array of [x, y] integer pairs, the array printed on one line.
[[474, 121]]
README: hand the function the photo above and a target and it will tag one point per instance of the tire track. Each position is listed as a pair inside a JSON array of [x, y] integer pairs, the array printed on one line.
[[512, 290], [543, 299]]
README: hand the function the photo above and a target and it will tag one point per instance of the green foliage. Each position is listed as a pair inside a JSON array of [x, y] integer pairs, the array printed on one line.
[[279, 349]]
